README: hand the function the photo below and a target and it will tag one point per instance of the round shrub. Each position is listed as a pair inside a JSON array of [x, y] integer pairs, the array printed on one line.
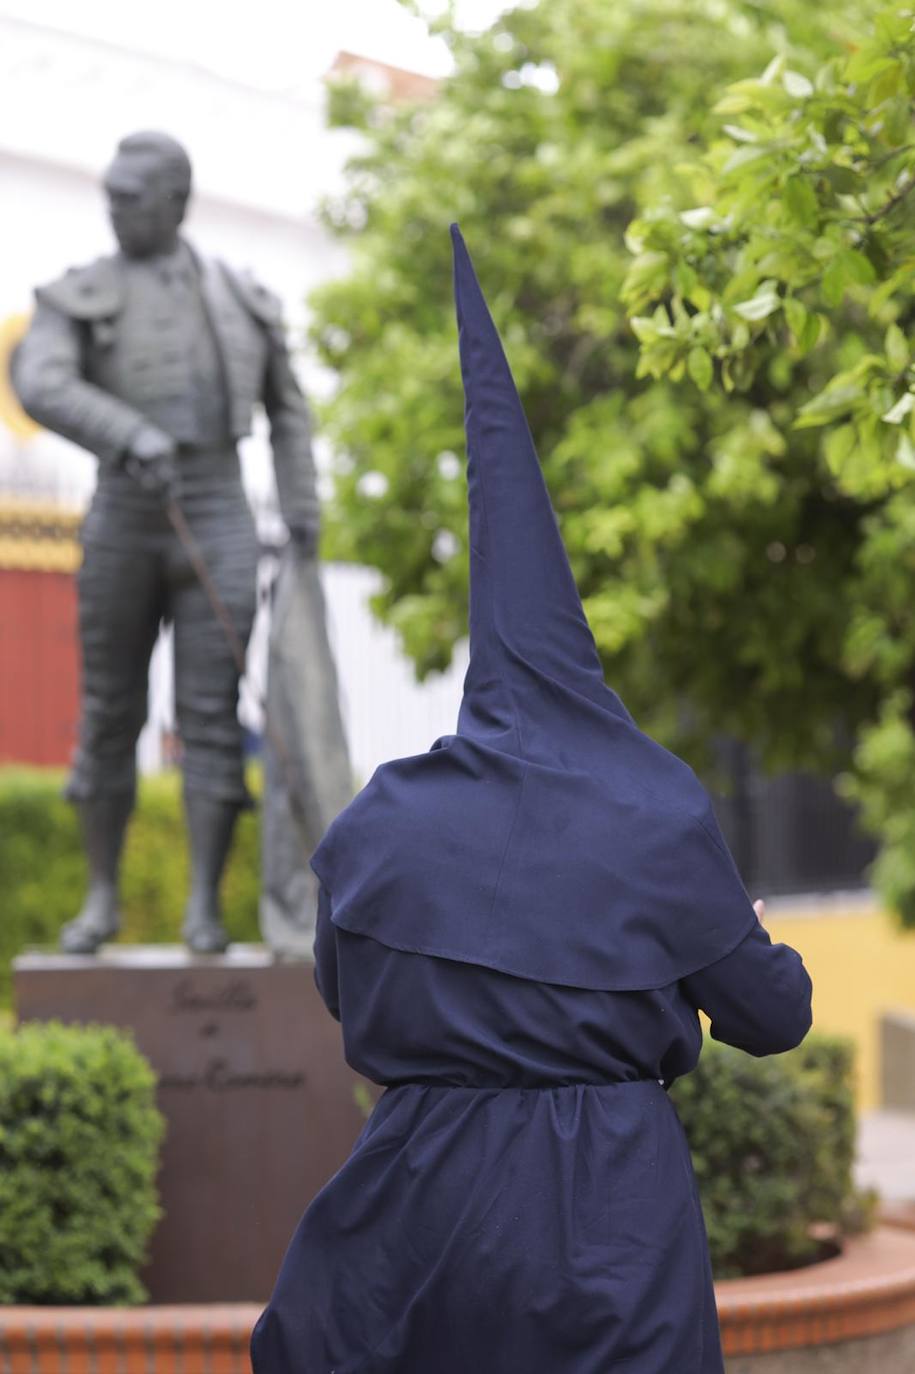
[[44, 869], [773, 1144], [79, 1146]]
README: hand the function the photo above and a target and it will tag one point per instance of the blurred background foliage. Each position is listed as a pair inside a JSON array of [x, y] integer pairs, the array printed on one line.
[[79, 1153], [773, 1147], [720, 184], [44, 868]]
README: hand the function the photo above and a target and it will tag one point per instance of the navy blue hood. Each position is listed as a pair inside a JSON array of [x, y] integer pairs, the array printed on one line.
[[549, 837]]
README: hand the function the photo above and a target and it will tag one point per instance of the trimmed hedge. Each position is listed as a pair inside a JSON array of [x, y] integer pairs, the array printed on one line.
[[773, 1146], [79, 1144], [43, 870]]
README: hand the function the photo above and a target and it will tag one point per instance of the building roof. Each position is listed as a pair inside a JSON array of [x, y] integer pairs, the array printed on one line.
[[394, 84]]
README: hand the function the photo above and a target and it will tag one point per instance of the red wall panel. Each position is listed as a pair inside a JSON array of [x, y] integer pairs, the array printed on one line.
[[39, 666]]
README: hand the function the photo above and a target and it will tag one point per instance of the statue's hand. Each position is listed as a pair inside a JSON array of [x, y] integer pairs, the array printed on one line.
[[150, 460], [304, 540]]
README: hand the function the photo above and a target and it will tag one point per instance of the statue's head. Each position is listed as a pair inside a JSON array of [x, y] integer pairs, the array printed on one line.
[[147, 186]]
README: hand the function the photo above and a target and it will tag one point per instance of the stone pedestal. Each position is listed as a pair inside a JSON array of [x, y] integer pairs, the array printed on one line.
[[260, 1107]]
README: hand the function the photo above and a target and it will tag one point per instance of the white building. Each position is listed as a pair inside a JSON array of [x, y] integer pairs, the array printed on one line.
[[262, 162]]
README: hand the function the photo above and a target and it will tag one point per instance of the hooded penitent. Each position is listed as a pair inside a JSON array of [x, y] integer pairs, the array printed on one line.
[[549, 837]]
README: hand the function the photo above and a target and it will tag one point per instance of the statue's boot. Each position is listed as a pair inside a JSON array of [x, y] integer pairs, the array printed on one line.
[[103, 818], [210, 823]]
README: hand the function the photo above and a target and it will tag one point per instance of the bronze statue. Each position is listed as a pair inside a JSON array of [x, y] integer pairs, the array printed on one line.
[[154, 359]]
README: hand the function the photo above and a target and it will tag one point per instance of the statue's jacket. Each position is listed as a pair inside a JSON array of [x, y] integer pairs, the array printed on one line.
[[99, 362]]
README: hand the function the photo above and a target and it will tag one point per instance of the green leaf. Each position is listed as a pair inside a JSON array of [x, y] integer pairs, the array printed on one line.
[[801, 200], [833, 282], [644, 328], [858, 267], [759, 307], [844, 180], [646, 277], [699, 218], [810, 333], [700, 368], [743, 156], [897, 350], [685, 279], [897, 413], [838, 445], [905, 452], [773, 70], [796, 315], [886, 83], [832, 402], [864, 65], [797, 85], [897, 121]]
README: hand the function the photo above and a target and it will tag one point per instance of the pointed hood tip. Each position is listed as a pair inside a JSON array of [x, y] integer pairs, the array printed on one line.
[[519, 563], [463, 263], [469, 301]]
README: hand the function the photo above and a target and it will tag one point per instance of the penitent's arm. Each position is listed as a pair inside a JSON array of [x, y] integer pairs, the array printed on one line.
[[757, 998], [326, 956]]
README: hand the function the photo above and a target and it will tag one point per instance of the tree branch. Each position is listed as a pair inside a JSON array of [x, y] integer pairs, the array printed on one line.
[[891, 204]]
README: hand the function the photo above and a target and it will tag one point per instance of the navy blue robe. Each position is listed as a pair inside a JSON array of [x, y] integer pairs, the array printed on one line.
[[521, 1200]]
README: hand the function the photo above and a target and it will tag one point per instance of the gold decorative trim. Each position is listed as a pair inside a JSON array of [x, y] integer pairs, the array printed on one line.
[[39, 538]]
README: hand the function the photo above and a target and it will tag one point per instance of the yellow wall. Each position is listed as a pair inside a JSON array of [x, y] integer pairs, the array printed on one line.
[[861, 965]]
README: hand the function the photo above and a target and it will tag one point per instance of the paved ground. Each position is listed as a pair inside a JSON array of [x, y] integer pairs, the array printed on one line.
[[886, 1154]]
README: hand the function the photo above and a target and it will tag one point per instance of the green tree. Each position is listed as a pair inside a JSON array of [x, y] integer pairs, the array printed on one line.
[[788, 285], [718, 557]]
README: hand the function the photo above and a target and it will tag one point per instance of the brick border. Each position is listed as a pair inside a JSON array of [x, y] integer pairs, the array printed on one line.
[[210, 1339], [900, 1214], [867, 1290]]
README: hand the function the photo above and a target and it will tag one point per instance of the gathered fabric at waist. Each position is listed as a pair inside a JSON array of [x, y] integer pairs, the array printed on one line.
[[410, 1110], [547, 1085]]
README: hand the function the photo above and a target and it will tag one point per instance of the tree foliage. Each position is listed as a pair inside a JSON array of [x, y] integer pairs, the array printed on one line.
[[789, 280], [743, 568]]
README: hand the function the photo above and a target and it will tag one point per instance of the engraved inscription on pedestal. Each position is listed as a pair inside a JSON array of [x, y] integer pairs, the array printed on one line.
[[210, 1008], [260, 1106]]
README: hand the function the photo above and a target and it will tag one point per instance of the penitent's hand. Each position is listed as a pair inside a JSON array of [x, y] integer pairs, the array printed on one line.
[[150, 460], [759, 907]]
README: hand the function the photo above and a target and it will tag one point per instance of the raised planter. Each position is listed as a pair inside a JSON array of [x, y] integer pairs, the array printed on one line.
[[854, 1314], [900, 1214], [851, 1315]]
